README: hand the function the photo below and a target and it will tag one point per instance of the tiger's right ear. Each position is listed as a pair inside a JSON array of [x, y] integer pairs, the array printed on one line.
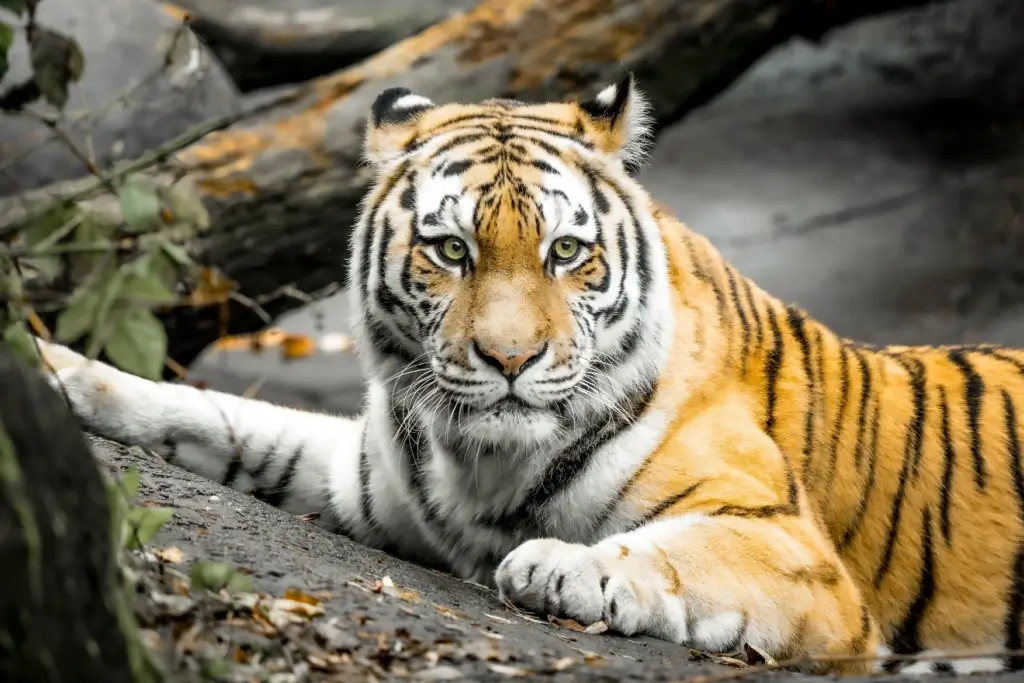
[[392, 123]]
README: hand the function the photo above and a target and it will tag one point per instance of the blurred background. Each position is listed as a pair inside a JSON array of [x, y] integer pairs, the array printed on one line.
[[874, 177]]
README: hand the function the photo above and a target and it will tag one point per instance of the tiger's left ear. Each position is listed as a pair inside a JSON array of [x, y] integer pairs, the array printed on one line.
[[621, 116], [392, 123]]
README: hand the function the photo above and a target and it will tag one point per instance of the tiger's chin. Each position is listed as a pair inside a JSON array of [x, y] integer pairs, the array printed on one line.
[[511, 423]]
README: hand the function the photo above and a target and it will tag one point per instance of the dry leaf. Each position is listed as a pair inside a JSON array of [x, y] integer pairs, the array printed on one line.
[[563, 664], [299, 596], [213, 288], [295, 346], [569, 624], [501, 619], [172, 555], [596, 627], [335, 342], [756, 655], [505, 670]]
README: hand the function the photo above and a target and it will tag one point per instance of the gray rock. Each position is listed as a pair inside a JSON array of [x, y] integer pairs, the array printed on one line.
[[126, 102], [272, 42]]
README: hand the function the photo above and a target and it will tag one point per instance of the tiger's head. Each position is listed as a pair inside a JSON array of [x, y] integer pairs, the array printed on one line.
[[507, 272]]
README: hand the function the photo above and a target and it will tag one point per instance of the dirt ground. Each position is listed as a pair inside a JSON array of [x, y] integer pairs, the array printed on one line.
[[393, 620]]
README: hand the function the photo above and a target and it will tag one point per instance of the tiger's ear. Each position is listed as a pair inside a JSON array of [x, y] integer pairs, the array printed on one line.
[[392, 123], [620, 115]]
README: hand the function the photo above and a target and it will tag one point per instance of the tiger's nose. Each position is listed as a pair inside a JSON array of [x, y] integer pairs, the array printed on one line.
[[509, 361]]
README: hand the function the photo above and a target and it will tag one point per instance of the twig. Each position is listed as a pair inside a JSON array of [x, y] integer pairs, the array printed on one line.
[[144, 162]]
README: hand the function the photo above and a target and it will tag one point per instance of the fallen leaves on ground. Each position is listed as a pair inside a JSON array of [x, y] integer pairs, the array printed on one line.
[[209, 623], [292, 345]]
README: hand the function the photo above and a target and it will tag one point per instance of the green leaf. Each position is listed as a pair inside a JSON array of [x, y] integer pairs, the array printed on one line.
[[151, 279], [91, 230], [20, 341], [16, 6], [57, 62], [129, 485], [6, 40], [186, 207], [137, 342], [43, 230], [216, 575], [177, 254], [110, 288], [214, 669], [140, 206], [77, 319], [143, 523], [148, 289]]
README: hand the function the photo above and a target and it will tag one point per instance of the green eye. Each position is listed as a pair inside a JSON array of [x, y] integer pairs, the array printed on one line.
[[454, 249], [565, 248]]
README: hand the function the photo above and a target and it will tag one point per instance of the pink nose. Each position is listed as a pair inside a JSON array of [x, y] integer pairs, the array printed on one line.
[[512, 361]]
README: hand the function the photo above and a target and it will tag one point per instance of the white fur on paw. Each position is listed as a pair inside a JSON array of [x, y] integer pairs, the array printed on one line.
[[576, 581]]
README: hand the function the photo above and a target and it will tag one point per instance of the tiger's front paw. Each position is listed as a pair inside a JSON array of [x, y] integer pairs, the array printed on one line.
[[589, 584]]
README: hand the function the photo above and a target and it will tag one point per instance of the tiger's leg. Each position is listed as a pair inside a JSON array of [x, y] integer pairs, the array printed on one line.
[[299, 461], [735, 560]]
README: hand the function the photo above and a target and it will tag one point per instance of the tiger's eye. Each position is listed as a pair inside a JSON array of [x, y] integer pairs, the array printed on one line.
[[454, 249], [565, 248]]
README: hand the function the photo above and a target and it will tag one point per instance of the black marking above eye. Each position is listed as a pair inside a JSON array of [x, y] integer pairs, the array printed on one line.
[[544, 166], [456, 168], [580, 217]]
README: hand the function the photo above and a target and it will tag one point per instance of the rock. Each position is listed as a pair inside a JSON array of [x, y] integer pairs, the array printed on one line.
[[273, 42], [125, 104]]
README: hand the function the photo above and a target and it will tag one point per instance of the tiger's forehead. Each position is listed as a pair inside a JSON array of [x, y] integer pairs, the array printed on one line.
[[502, 118]]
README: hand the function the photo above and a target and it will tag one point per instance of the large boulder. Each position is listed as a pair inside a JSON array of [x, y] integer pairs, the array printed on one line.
[[127, 102], [271, 42]]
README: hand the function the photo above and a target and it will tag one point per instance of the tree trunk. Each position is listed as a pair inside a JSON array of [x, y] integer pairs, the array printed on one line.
[[283, 187], [63, 613]]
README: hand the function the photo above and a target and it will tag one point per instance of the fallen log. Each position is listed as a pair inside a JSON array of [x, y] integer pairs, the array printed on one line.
[[282, 187]]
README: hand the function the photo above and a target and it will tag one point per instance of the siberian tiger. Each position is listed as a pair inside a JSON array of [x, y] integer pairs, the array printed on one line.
[[574, 398]]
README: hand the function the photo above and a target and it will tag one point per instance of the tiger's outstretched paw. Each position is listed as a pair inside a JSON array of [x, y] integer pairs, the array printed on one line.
[[108, 401], [590, 584]]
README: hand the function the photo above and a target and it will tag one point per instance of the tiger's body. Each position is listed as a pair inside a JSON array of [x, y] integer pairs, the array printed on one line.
[[572, 396]]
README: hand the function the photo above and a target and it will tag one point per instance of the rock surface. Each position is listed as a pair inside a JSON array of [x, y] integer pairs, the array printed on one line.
[[266, 43], [127, 101]]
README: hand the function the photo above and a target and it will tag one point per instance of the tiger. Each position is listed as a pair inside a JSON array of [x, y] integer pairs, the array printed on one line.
[[574, 399]]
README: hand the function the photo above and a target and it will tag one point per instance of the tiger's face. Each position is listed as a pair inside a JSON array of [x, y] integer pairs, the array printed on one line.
[[501, 260]]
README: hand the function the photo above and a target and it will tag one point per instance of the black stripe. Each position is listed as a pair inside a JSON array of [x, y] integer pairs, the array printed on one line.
[[906, 639], [1015, 599], [234, 467], [865, 397], [664, 505], [171, 448], [268, 458], [1000, 354], [911, 453], [1014, 612], [869, 485], [948, 463], [742, 315], [755, 315], [974, 388], [365, 499], [277, 495], [701, 273], [796, 321], [570, 464], [1013, 447], [772, 367], [844, 397]]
